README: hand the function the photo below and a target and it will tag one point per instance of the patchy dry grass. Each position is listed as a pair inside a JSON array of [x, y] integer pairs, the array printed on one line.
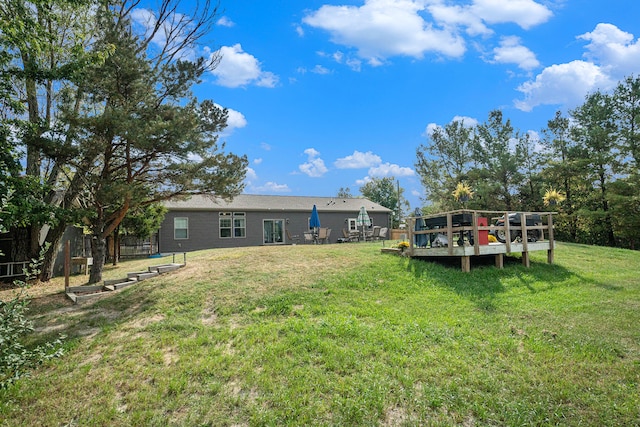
[[343, 335]]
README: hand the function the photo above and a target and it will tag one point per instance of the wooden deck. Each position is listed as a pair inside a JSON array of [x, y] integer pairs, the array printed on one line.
[[466, 239]]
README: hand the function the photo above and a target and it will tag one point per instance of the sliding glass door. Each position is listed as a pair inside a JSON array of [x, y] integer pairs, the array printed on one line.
[[273, 231]]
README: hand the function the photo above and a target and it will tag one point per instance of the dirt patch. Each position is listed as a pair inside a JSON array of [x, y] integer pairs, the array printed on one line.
[[395, 416], [170, 356], [209, 316], [145, 321]]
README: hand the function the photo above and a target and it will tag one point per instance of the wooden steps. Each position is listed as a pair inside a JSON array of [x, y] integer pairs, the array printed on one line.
[[79, 294]]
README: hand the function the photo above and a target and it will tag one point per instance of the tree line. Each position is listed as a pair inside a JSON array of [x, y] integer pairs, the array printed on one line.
[[591, 157], [98, 120]]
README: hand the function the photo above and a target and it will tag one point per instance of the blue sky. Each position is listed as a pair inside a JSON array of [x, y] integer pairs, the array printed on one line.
[[328, 94]]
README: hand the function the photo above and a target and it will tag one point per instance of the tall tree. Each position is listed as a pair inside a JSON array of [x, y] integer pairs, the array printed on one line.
[[141, 222], [153, 140], [595, 130], [531, 160], [626, 104], [624, 193], [444, 161], [63, 115], [41, 53], [344, 193], [498, 162], [562, 170], [387, 193]]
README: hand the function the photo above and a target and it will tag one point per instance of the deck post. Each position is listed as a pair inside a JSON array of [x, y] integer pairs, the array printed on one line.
[[507, 232], [524, 232], [500, 261], [411, 228], [465, 262], [525, 259], [450, 233], [476, 234], [551, 239]]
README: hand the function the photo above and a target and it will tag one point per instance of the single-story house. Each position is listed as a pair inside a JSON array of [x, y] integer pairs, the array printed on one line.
[[203, 222]]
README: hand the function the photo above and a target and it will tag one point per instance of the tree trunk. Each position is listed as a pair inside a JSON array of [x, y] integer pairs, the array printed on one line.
[[20, 244], [116, 245], [98, 252], [54, 238]]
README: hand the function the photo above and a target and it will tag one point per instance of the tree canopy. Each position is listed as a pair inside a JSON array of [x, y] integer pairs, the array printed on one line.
[[102, 105], [591, 156]]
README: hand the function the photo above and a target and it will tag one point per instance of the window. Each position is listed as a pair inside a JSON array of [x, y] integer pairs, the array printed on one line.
[[352, 224], [232, 225], [225, 225], [239, 224], [180, 228]]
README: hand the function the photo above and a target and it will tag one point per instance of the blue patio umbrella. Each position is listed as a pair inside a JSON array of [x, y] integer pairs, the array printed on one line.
[[420, 239], [314, 221]]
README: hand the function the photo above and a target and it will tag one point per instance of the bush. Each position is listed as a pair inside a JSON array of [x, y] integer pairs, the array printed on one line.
[[15, 358]]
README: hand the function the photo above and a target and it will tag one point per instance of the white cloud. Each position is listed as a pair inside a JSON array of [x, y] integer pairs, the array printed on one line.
[[319, 69], [257, 161], [565, 84], [238, 68], [235, 119], [383, 28], [610, 55], [265, 146], [511, 51], [475, 17], [363, 181], [250, 176], [354, 64], [271, 187], [459, 16], [614, 49], [358, 160], [388, 169], [225, 22], [431, 127], [468, 122], [314, 167], [525, 13], [311, 152]]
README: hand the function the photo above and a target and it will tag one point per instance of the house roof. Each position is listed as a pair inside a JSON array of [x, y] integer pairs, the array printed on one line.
[[254, 202]]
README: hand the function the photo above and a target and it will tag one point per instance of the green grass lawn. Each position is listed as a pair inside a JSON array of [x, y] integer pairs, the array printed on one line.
[[345, 335]]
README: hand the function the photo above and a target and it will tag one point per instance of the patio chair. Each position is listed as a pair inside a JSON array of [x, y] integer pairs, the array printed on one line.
[[346, 236], [323, 234], [295, 238], [308, 237], [375, 234], [383, 233]]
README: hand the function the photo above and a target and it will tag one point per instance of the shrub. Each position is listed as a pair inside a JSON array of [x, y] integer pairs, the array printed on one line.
[[15, 358]]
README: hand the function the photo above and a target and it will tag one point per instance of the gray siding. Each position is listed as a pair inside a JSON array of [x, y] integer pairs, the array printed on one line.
[[204, 227]]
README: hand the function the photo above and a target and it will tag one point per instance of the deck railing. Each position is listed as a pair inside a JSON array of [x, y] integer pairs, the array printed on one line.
[[13, 269], [472, 230]]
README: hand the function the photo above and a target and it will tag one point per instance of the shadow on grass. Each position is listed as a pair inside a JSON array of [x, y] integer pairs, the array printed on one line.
[[55, 314], [485, 282]]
